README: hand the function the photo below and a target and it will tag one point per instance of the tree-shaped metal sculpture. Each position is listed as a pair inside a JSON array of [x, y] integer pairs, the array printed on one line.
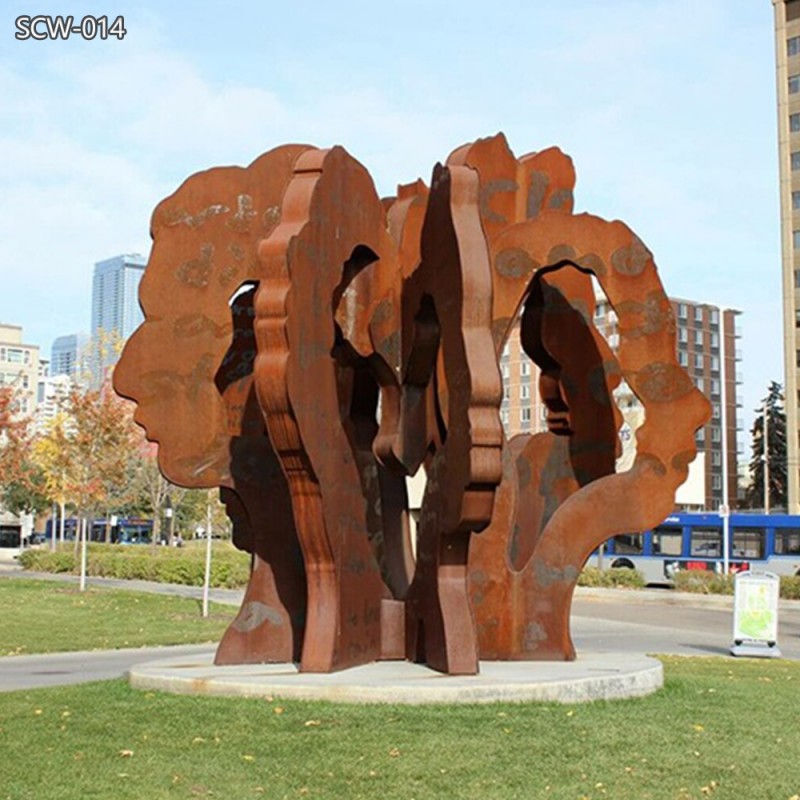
[[307, 346]]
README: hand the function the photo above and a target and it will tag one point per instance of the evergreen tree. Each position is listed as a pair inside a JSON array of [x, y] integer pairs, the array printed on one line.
[[776, 452]]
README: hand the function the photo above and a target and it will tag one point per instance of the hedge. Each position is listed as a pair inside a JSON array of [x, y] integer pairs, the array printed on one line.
[[230, 568], [707, 582], [615, 578]]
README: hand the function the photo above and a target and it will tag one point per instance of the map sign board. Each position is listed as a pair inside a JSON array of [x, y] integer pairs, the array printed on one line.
[[755, 614]]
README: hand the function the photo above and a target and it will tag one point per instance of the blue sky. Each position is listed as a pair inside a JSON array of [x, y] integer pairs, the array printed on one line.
[[667, 108]]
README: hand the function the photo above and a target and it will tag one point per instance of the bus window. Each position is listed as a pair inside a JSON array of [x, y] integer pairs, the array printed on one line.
[[787, 541], [748, 543], [629, 544], [706, 542], [667, 541]]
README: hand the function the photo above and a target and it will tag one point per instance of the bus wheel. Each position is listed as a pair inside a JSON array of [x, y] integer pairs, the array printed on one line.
[[622, 563]]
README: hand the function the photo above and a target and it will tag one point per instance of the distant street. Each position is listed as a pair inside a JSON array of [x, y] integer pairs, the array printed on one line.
[[650, 621], [57, 669]]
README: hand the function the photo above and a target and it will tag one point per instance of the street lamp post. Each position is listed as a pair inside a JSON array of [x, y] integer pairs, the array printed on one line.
[[766, 458], [724, 509], [169, 514]]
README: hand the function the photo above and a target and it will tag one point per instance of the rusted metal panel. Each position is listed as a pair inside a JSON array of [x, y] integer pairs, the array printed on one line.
[[189, 366], [364, 345]]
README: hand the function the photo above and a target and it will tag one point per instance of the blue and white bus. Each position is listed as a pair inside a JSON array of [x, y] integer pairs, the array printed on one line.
[[769, 542], [125, 530]]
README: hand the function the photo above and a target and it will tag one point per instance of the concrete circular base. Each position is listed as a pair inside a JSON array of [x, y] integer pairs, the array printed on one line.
[[594, 676]]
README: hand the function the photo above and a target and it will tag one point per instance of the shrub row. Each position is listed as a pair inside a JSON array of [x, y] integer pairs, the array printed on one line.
[[619, 578], [230, 568], [706, 582]]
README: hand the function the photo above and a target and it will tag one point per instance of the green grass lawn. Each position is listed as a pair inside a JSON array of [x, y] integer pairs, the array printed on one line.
[[49, 617], [720, 729]]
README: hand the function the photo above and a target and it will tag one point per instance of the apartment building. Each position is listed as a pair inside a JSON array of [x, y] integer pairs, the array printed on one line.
[[707, 347], [19, 366], [787, 50]]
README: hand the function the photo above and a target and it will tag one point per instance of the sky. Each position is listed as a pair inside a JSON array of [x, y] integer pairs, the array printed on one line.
[[667, 108]]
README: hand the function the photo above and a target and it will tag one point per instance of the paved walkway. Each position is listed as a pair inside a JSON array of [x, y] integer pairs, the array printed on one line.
[[609, 621]]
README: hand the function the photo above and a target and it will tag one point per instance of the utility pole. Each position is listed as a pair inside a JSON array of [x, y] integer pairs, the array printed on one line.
[[766, 457], [207, 574], [724, 510]]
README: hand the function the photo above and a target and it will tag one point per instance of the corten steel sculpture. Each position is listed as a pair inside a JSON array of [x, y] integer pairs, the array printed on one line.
[[378, 327], [316, 393], [560, 497], [189, 369]]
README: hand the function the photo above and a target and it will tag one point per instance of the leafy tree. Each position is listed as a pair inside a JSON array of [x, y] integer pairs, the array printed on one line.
[[776, 452], [51, 453], [152, 488], [22, 484]]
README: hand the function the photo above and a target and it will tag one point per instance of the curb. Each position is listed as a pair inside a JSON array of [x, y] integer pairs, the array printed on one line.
[[593, 676]]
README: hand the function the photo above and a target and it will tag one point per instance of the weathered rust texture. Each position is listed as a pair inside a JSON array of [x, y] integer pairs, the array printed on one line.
[[363, 346], [319, 396], [456, 433], [559, 498], [189, 369]]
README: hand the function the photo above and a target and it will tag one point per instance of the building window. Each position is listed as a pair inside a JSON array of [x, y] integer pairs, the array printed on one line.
[[714, 387], [793, 46], [796, 241], [683, 358], [716, 482], [698, 361], [525, 368], [715, 363], [798, 357], [795, 161], [797, 318], [716, 458], [525, 415], [794, 123], [797, 279], [698, 313], [700, 384], [504, 370], [525, 391], [683, 310], [506, 392], [795, 201], [700, 436], [504, 416], [716, 435], [794, 84], [698, 338], [716, 411], [714, 340], [683, 335]]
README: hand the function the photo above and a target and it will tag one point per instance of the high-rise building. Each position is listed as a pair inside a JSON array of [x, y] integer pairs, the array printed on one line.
[[787, 50], [115, 308], [707, 348], [67, 353], [19, 367]]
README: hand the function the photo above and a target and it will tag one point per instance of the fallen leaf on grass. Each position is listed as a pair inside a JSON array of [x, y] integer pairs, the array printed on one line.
[[278, 709], [312, 723], [394, 752], [248, 757], [126, 753]]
